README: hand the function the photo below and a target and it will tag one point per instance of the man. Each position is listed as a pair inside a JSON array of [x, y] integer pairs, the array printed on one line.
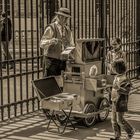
[[6, 35], [56, 38]]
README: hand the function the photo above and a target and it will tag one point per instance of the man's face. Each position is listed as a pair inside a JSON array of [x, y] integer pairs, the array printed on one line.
[[115, 46], [63, 19]]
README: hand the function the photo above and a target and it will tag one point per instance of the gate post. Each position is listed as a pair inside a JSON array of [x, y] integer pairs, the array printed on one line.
[[51, 8], [138, 37], [0, 46], [103, 27]]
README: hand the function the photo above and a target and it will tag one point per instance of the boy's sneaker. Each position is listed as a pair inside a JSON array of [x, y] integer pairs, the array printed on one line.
[[129, 136]]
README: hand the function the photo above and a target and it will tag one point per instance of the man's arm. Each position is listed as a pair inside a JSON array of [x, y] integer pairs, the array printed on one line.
[[71, 38], [72, 44], [48, 38]]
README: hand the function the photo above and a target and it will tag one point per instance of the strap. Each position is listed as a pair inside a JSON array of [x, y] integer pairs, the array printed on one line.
[[53, 27]]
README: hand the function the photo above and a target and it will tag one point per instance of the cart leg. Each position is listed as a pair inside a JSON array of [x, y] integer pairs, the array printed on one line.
[[51, 118], [68, 118]]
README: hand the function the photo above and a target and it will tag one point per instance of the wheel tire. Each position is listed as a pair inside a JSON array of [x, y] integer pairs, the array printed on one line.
[[89, 108], [103, 103]]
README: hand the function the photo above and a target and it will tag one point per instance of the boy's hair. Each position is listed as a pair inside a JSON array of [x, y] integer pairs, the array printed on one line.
[[119, 66]]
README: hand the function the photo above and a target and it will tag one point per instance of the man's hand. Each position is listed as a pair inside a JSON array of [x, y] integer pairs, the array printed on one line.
[[55, 41]]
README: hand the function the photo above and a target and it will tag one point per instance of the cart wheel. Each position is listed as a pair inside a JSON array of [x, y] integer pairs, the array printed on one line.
[[61, 118], [89, 108], [103, 103]]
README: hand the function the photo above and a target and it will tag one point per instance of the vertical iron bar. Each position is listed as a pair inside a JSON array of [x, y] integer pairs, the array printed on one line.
[[14, 55], [89, 17], [96, 20], [112, 19], [70, 8], [8, 73], [137, 4], [136, 38], [103, 28], [26, 53], [37, 37], [41, 26], [121, 23], [109, 22], [37, 40], [32, 49], [20, 56], [74, 19], [61, 3], [78, 19], [1, 78], [92, 4], [118, 13], [82, 5], [86, 18], [115, 17]]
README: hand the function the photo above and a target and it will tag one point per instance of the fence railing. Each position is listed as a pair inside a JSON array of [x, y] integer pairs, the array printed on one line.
[[90, 19]]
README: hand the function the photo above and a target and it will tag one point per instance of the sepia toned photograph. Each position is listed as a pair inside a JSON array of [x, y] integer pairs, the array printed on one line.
[[69, 70]]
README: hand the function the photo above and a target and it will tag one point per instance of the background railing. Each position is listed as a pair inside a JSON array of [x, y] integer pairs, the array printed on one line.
[[90, 19]]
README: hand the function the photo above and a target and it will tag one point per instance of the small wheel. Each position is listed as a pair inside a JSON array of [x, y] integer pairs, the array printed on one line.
[[61, 118], [103, 103], [89, 108]]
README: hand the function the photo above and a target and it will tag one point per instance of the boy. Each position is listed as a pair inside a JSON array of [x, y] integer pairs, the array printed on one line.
[[119, 96]]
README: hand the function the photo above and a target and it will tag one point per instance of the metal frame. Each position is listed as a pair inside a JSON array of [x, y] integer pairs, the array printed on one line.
[[90, 19]]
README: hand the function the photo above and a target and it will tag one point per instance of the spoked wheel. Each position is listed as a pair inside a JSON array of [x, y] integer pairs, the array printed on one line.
[[89, 108], [103, 104]]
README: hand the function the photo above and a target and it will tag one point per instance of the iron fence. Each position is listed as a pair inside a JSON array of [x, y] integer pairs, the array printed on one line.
[[90, 19], [107, 19], [16, 93]]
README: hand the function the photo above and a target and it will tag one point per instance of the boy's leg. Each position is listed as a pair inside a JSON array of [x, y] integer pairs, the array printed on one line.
[[115, 125], [124, 124]]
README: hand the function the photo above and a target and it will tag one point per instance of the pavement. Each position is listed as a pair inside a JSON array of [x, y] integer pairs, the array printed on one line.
[[33, 126]]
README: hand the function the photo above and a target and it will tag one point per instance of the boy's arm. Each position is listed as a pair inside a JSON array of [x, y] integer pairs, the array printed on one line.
[[125, 87]]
